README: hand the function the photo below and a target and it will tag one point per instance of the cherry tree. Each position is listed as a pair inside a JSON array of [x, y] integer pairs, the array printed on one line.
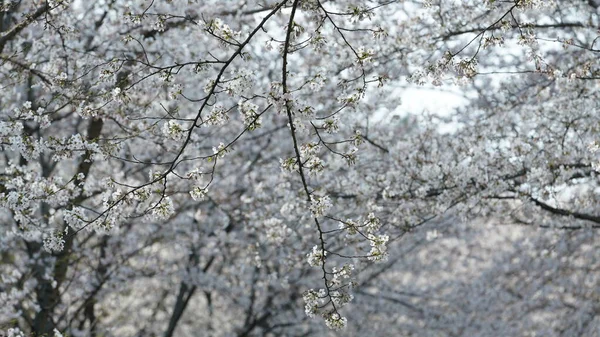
[[171, 167]]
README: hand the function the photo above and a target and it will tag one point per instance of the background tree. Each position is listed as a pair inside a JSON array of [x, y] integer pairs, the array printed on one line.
[[172, 167]]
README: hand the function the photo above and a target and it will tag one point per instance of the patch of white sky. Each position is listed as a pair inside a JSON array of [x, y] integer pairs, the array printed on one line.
[[422, 100]]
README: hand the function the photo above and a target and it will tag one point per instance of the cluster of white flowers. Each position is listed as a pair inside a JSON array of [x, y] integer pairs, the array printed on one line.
[[372, 223], [250, 116], [10, 128], [335, 322], [466, 67], [279, 100], [27, 187], [26, 113], [13, 277], [222, 30], [316, 257], [164, 209], [432, 235], [317, 82], [307, 111], [173, 130], [220, 151], [318, 206], [364, 55], [360, 13], [195, 174], [350, 226], [358, 138], [309, 155], [493, 41], [116, 94], [276, 231], [134, 19], [379, 33], [332, 125], [344, 272], [199, 189], [341, 298], [25, 107], [11, 132], [65, 148], [350, 155], [378, 251], [167, 76], [434, 72], [269, 44], [351, 100], [14, 332], [314, 166], [218, 116], [29, 147], [141, 194], [61, 79], [86, 110], [289, 164], [527, 39], [15, 201], [159, 24], [175, 90], [314, 301], [198, 193], [242, 81], [317, 41], [54, 242], [111, 197], [341, 274], [75, 217]]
